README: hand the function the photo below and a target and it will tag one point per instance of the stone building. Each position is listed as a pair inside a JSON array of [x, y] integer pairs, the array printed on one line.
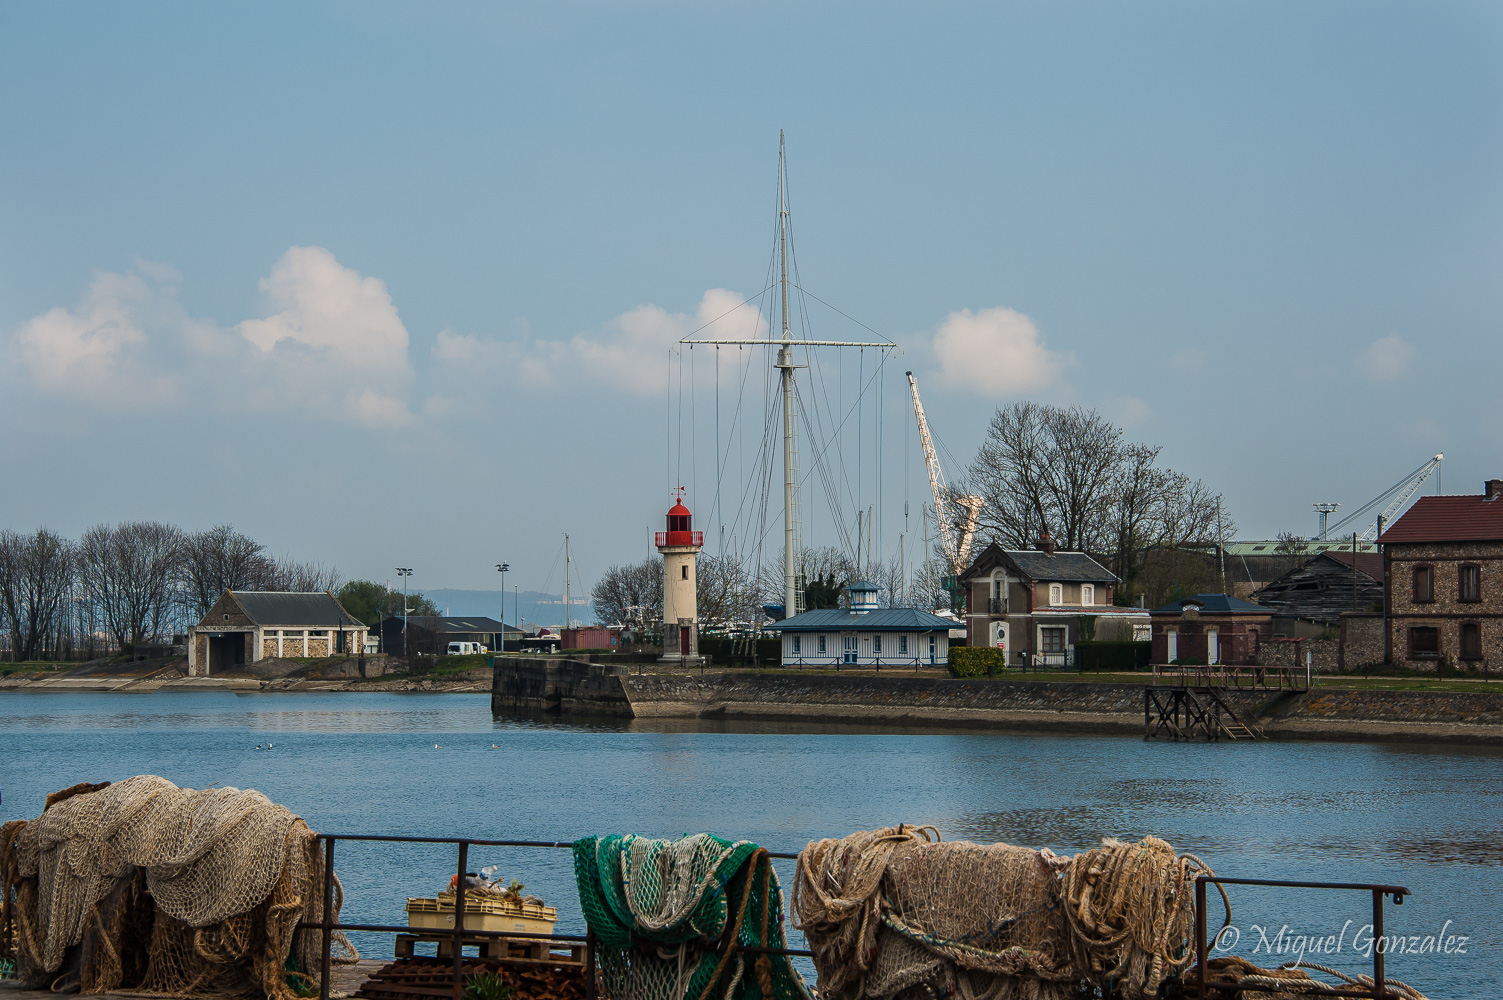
[[1208, 629], [245, 626], [1033, 604], [1443, 575]]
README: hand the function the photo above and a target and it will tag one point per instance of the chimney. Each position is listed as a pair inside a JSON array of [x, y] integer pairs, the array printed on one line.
[[1492, 489], [1045, 543]]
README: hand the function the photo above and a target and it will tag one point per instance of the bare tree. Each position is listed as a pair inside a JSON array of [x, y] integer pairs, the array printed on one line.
[[129, 571], [631, 595], [287, 574], [724, 591], [36, 574], [217, 560]]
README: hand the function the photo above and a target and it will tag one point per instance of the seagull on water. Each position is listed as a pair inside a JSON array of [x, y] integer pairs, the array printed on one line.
[[495, 746], [437, 747], [258, 746]]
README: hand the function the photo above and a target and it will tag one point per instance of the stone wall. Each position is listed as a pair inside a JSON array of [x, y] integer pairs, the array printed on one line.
[[1361, 641]]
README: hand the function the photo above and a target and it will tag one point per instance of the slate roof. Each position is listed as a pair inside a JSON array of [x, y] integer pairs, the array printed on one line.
[[1040, 566], [473, 623], [880, 620], [1449, 519], [271, 607], [1214, 604]]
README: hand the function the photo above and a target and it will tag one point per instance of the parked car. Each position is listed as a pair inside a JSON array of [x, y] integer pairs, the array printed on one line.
[[466, 648]]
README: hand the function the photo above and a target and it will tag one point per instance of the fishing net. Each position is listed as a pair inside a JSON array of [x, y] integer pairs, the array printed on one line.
[[671, 918], [896, 914], [165, 890]]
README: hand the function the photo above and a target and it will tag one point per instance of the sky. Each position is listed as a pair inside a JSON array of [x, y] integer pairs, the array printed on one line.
[[400, 284]]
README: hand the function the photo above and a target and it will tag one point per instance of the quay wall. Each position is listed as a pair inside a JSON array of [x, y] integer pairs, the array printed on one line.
[[574, 687]]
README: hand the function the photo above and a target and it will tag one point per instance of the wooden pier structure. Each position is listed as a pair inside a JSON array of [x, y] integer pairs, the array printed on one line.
[[1192, 703]]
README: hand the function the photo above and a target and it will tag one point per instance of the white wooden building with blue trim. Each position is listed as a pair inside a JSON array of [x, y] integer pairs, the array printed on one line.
[[865, 635]]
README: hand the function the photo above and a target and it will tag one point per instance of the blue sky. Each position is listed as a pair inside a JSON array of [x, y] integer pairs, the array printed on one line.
[[395, 284]]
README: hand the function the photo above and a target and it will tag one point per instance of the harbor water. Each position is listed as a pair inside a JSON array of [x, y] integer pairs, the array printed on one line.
[[1429, 817]]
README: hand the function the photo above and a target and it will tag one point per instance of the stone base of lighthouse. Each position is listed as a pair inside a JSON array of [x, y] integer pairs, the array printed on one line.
[[681, 644]]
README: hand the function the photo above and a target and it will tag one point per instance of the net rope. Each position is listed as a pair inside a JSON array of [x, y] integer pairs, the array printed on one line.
[[672, 917], [208, 885]]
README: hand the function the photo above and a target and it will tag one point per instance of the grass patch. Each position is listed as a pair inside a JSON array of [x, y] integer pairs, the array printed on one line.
[[8, 667]]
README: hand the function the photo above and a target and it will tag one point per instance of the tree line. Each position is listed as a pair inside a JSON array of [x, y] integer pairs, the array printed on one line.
[[131, 583]]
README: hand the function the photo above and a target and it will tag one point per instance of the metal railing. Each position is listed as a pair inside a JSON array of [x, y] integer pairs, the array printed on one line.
[[1378, 990], [996, 606], [460, 935], [1249, 678]]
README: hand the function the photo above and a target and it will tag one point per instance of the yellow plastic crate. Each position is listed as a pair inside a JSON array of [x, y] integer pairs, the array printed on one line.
[[481, 913]]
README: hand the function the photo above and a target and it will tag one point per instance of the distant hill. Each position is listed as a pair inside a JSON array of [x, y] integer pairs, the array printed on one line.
[[537, 609]]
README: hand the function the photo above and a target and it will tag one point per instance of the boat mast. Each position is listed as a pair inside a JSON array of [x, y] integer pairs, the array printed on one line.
[[566, 580], [791, 597]]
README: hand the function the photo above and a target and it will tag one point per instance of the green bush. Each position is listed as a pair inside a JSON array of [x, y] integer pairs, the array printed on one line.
[[1113, 655], [977, 661]]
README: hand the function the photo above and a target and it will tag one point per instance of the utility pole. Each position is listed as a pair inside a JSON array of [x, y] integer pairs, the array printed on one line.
[[502, 567], [404, 572]]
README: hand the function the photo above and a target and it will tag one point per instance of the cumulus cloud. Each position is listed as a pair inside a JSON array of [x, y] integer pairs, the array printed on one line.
[[332, 345], [1387, 357], [629, 352], [98, 349], [994, 351]]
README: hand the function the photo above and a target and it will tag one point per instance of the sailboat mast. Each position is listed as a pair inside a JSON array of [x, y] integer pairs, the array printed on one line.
[[785, 368], [566, 580]]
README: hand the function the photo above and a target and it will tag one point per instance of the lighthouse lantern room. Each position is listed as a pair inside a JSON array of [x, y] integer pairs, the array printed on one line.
[[679, 546]]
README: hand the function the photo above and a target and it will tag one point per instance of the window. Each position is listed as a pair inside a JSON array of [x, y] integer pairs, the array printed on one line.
[[1471, 641], [683, 572], [225, 617], [1087, 593], [903, 644], [1469, 583], [821, 644], [877, 644], [1056, 594], [1053, 640], [1424, 642], [798, 644], [1424, 585]]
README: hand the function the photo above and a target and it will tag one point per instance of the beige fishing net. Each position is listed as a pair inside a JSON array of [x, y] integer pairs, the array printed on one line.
[[165, 890], [895, 914]]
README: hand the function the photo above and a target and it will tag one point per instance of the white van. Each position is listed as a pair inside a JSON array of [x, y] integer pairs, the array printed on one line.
[[466, 648]]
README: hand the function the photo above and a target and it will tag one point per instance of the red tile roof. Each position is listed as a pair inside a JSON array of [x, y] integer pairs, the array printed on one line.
[[1370, 563], [1449, 519]]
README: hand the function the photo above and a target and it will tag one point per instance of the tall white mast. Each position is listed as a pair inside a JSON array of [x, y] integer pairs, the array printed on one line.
[[785, 367], [566, 580]]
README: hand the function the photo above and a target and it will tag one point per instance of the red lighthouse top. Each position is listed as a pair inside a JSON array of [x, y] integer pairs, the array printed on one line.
[[680, 528]]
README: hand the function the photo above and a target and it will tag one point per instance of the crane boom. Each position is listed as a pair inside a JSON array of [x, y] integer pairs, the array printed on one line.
[[1399, 501], [957, 551]]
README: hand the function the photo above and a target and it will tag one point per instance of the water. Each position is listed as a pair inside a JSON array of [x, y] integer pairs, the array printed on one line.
[[1427, 817]]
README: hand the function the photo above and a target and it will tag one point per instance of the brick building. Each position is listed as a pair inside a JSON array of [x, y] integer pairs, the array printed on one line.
[[1210, 629], [244, 626], [1443, 575], [1033, 603]]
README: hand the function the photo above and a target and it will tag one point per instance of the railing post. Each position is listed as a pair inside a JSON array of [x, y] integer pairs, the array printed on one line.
[[323, 978], [1378, 987], [1200, 935], [464, 863], [589, 963]]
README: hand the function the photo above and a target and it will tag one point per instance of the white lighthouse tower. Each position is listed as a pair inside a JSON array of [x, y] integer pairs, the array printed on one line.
[[679, 545]]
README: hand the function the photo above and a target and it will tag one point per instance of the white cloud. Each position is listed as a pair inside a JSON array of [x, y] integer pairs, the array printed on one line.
[[97, 350], [333, 346], [1129, 411], [1387, 357], [629, 352], [994, 351]]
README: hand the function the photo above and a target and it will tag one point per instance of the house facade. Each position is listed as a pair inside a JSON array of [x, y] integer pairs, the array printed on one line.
[[1443, 576], [245, 626], [1036, 604], [1208, 629], [864, 635]]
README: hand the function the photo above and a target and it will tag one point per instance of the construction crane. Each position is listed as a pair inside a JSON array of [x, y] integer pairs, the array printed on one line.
[[956, 550], [1394, 499]]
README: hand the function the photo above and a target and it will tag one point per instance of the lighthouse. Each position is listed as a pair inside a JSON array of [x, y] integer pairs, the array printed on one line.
[[679, 545]]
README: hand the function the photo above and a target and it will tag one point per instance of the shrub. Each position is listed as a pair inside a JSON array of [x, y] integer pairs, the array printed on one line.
[[1109, 654], [976, 661]]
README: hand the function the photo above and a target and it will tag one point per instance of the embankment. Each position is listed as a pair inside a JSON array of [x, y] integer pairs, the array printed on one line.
[[573, 687]]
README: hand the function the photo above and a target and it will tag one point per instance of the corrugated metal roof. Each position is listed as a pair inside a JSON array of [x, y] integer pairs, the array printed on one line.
[[1216, 604], [270, 607], [1471, 518], [880, 620]]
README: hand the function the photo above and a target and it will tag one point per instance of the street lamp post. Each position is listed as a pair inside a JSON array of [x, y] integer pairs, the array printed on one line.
[[501, 568], [404, 572]]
